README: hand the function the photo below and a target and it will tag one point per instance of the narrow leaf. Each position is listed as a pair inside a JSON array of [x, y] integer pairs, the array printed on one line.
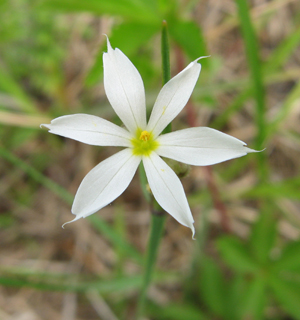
[[287, 296], [189, 36], [263, 237], [290, 258], [212, 286], [236, 255], [254, 299]]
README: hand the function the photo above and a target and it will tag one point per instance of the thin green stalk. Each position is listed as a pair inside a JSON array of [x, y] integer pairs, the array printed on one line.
[[165, 55], [157, 226], [158, 215]]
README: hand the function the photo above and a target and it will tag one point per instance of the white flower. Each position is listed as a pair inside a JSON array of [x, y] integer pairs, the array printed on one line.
[[125, 91]]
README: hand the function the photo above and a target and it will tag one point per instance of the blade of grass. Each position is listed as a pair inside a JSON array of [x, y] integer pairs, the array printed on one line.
[[292, 97], [71, 285], [25, 277], [9, 85], [283, 51]]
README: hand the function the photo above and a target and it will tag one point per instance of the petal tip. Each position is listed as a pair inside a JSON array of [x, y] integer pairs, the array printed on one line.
[[75, 219], [248, 150], [43, 125], [193, 232], [109, 47], [204, 57]]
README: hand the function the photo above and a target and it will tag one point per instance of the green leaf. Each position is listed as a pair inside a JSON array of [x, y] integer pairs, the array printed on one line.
[[176, 312], [133, 9], [285, 109], [236, 255], [263, 237], [287, 295], [189, 36], [12, 87], [60, 282], [288, 188], [281, 53], [233, 297], [290, 258], [128, 37], [253, 299], [212, 286]]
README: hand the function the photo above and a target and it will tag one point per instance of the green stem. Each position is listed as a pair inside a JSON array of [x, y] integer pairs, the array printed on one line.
[[165, 55], [157, 226], [157, 213]]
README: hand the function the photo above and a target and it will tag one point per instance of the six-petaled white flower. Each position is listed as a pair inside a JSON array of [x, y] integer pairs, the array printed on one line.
[[143, 142]]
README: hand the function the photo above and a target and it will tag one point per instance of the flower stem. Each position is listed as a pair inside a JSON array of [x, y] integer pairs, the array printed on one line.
[[157, 213], [157, 225], [165, 53], [165, 60]]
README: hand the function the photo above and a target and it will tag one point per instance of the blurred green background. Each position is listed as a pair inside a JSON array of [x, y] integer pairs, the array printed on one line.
[[245, 263]]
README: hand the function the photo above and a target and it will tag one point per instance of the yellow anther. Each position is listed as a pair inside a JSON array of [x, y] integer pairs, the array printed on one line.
[[145, 135]]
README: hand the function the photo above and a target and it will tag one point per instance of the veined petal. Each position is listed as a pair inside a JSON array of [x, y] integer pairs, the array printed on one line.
[[105, 183], [200, 146], [167, 190], [173, 97], [124, 89], [90, 129]]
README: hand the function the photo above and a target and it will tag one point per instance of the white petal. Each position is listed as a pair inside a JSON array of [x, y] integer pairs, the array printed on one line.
[[124, 89], [173, 97], [90, 129], [105, 183], [167, 190], [200, 146]]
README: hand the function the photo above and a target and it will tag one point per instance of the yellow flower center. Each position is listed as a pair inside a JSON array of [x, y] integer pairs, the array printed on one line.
[[145, 135], [143, 143]]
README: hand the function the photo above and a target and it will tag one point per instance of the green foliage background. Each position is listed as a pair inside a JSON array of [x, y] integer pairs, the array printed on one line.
[[51, 65]]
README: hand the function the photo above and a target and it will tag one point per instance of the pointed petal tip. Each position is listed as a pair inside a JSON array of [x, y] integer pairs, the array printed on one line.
[[204, 57], [75, 219], [193, 232], [248, 150], [109, 47], [43, 125]]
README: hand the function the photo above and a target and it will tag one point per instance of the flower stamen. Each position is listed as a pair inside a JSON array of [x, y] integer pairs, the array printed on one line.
[[145, 136]]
